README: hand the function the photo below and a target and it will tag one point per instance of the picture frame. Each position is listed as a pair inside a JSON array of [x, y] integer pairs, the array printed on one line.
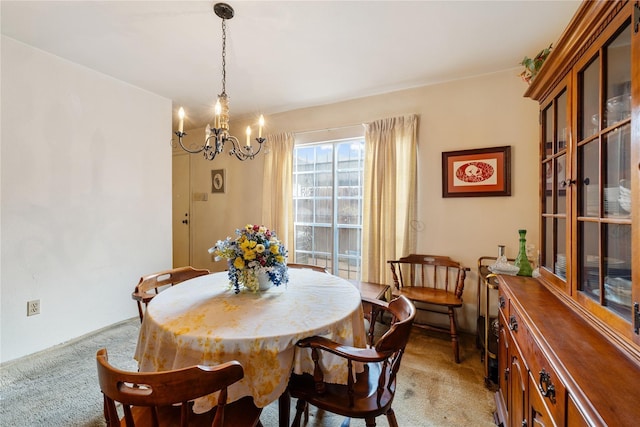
[[483, 172], [218, 181]]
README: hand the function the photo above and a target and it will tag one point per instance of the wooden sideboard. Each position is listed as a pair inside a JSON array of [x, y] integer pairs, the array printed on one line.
[[569, 341], [555, 368]]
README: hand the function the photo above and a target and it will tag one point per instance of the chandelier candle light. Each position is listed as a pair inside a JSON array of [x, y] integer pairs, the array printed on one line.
[[218, 134]]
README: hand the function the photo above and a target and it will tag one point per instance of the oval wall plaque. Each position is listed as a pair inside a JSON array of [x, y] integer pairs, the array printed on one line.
[[474, 172]]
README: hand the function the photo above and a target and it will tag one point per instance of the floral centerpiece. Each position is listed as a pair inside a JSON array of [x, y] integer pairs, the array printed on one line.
[[255, 251]]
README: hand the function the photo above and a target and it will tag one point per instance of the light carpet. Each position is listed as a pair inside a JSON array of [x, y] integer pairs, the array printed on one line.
[[59, 386]]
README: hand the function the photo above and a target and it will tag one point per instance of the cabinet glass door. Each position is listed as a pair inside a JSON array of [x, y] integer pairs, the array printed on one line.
[[554, 200], [603, 176]]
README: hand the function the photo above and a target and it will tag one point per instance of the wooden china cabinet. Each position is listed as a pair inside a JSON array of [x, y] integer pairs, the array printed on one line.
[[569, 341]]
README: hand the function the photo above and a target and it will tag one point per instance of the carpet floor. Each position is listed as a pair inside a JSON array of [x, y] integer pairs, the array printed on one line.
[[58, 386]]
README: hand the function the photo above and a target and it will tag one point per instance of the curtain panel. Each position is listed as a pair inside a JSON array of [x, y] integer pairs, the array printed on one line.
[[390, 191], [277, 188]]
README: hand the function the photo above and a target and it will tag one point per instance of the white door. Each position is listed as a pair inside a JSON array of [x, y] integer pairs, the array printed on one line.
[[181, 209]]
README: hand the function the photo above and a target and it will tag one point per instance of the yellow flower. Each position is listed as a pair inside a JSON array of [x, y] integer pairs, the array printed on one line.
[[260, 248], [275, 249], [238, 263], [248, 245], [279, 258], [249, 254]]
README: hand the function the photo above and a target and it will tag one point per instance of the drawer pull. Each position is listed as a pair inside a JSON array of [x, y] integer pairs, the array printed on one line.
[[546, 387], [502, 302], [513, 323]]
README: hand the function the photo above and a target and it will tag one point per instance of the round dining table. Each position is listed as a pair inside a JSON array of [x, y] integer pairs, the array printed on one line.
[[202, 321]]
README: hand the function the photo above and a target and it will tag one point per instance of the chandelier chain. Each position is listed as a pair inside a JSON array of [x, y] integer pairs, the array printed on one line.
[[217, 136], [224, 57]]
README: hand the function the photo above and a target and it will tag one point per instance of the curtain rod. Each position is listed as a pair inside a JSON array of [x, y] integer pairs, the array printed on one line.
[[301, 132]]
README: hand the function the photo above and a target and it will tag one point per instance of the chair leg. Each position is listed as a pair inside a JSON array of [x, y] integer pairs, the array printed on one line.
[[105, 409], [370, 422], [454, 334], [391, 417], [284, 408], [300, 405], [140, 312]]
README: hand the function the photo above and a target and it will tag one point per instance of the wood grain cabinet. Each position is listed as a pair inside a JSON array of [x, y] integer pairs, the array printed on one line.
[[589, 96], [569, 341], [574, 416], [560, 370], [530, 388], [502, 396], [518, 385], [547, 386], [538, 412]]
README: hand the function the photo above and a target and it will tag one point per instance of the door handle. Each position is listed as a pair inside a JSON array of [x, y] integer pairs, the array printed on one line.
[[185, 221]]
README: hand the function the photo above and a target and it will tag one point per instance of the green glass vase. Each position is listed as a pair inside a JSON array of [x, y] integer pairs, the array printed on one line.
[[522, 262]]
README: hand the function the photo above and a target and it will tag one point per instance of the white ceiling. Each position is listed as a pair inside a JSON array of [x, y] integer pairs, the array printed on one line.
[[283, 55]]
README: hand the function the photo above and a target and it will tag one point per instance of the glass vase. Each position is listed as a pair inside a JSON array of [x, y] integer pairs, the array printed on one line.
[[502, 257], [264, 281], [522, 262]]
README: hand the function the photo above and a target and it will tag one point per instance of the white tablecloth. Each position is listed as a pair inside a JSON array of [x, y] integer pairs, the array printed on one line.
[[202, 321]]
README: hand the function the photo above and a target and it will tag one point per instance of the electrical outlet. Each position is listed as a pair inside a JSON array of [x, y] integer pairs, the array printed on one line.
[[33, 307]]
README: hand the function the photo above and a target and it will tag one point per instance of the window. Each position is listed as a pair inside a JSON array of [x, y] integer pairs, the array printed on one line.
[[327, 204]]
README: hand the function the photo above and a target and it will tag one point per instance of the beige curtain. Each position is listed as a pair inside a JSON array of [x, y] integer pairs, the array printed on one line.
[[277, 188], [390, 186]]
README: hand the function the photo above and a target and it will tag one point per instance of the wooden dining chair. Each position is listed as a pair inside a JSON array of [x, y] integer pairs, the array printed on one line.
[[307, 266], [164, 398], [149, 285], [372, 392], [435, 283]]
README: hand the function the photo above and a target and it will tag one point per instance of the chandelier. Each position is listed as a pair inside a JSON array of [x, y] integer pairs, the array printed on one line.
[[217, 136]]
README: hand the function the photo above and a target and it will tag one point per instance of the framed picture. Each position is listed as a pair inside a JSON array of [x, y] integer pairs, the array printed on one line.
[[218, 181], [477, 173]]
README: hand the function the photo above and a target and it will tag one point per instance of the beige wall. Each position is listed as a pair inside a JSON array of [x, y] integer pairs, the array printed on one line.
[[485, 111], [86, 196]]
